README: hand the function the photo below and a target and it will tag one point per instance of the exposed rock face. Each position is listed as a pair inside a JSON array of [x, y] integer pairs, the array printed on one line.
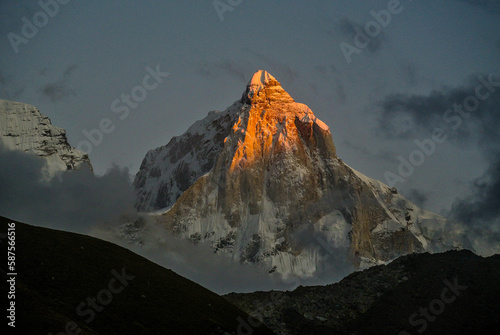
[[273, 184], [24, 128]]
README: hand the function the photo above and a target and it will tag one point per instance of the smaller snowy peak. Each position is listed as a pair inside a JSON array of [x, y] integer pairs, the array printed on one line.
[[264, 88], [24, 128]]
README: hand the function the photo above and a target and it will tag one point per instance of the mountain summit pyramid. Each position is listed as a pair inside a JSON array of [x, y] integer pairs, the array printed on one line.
[[261, 181]]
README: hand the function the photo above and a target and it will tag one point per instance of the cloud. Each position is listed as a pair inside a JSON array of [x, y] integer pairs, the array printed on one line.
[[12, 12], [480, 210], [60, 90], [9, 88], [329, 75], [340, 93], [349, 28], [43, 71], [418, 197], [491, 6], [407, 117], [198, 262], [334, 259], [227, 67], [410, 73], [404, 116], [410, 117], [79, 202], [482, 206], [326, 73]]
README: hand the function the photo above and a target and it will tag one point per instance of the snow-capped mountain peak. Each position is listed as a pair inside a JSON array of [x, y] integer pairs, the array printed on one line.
[[262, 182]]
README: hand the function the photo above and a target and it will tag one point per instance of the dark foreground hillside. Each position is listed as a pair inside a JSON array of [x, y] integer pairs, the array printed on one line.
[[455, 292], [74, 284]]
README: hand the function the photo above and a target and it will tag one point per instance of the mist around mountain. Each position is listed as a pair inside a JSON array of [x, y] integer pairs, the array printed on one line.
[[72, 283]]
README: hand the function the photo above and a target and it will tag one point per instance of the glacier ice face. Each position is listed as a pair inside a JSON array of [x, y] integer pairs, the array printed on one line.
[[24, 128]]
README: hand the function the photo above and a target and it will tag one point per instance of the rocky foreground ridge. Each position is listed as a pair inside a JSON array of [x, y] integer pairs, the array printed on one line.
[[448, 293]]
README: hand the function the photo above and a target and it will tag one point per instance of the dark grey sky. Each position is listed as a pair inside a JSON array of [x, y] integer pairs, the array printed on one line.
[[393, 92]]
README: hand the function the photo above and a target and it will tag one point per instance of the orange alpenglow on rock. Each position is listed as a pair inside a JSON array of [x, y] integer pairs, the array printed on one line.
[[274, 123], [263, 87]]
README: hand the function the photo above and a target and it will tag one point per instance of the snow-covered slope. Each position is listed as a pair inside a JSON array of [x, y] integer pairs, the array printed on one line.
[[262, 182], [166, 172], [24, 128]]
